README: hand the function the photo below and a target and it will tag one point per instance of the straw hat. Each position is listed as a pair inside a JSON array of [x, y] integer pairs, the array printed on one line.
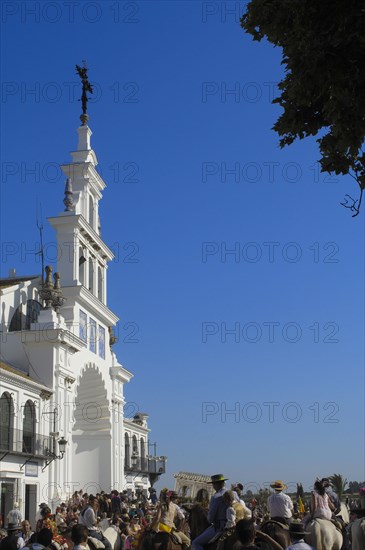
[[278, 485]]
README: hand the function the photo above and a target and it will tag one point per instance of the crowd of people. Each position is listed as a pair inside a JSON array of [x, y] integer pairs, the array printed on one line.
[[86, 518], [127, 514]]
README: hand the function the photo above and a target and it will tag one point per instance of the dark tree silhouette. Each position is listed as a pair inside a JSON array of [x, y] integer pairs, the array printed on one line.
[[323, 52]]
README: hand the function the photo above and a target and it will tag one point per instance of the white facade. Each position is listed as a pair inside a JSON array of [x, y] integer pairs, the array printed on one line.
[[59, 375], [187, 484]]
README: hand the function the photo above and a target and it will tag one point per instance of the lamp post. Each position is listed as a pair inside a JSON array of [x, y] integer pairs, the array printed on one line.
[[52, 454], [134, 458], [62, 443]]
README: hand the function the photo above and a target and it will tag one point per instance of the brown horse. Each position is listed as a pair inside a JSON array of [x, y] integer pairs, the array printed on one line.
[[152, 540], [198, 523], [277, 532]]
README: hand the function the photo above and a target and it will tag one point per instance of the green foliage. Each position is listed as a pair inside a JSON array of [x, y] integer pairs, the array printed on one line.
[[323, 51], [338, 483], [353, 487]]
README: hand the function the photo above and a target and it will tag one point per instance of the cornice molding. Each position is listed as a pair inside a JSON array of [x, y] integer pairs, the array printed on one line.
[[87, 299], [24, 383], [77, 221]]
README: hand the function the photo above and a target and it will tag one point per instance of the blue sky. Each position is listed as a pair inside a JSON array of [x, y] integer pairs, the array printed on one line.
[[182, 99]]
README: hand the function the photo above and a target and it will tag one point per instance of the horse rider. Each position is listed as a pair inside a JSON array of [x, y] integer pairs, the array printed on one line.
[[216, 514], [242, 511], [185, 541], [279, 504], [331, 494], [88, 517]]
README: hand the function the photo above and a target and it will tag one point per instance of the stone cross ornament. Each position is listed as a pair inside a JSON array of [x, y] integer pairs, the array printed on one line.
[[86, 87]]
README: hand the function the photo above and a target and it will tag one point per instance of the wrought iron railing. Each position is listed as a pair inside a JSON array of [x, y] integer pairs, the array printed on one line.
[[146, 465], [19, 441]]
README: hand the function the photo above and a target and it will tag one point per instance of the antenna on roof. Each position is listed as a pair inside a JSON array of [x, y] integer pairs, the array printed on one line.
[[40, 228]]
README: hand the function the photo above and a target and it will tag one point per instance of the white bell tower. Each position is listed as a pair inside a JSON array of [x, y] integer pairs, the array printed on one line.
[[82, 255]]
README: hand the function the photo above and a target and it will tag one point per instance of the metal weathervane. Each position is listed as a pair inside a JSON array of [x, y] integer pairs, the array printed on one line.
[[86, 87]]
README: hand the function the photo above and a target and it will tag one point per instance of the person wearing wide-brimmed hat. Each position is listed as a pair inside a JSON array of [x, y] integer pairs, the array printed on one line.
[[279, 504], [297, 533], [13, 540], [216, 515]]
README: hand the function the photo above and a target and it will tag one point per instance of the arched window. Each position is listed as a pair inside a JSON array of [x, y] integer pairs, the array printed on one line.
[[16, 320], [127, 452], [143, 456], [136, 459], [6, 422], [82, 261], [100, 284], [91, 273], [29, 427]]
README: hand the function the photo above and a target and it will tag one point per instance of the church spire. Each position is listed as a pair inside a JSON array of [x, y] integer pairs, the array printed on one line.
[[83, 256]]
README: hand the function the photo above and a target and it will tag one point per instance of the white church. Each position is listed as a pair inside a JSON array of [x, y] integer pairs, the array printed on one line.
[[62, 427]]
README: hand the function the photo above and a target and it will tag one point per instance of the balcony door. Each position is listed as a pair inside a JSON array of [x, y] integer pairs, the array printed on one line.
[[6, 422], [29, 427]]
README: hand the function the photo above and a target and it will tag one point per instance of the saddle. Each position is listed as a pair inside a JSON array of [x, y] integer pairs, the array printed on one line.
[[96, 542], [284, 526], [338, 523]]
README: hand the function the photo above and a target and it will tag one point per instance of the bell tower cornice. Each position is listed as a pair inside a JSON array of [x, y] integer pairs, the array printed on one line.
[[87, 173], [77, 225]]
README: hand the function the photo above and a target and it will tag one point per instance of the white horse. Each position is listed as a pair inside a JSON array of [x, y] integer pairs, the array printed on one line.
[[357, 534], [113, 536], [323, 535], [344, 513]]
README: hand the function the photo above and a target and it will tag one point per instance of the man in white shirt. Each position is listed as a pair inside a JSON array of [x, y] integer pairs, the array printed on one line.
[[88, 518], [15, 516], [279, 504], [185, 541]]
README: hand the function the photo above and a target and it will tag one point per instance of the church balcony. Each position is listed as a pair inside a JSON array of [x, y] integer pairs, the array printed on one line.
[[154, 466], [20, 442]]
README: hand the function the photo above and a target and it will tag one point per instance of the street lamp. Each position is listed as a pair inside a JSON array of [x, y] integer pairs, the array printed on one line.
[[62, 443], [134, 458], [52, 454]]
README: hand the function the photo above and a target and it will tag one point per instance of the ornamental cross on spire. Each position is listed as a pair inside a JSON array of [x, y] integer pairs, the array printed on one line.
[[86, 87]]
